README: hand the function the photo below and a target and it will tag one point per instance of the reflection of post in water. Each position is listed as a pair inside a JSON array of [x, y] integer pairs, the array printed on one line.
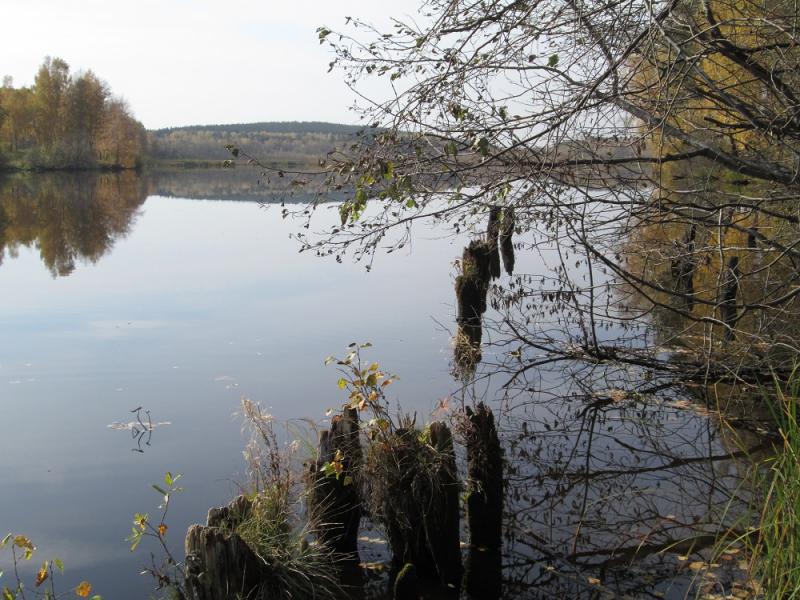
[[480, 263], [483, 577], [472, 287], [506, 239], [730, 288], [683, 267]]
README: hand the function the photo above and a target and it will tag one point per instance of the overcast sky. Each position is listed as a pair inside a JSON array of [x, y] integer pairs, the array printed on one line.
[[181, 62]]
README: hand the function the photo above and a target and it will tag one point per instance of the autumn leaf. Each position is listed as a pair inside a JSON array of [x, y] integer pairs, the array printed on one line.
[[41, 575], [21, 541], [84, 589]]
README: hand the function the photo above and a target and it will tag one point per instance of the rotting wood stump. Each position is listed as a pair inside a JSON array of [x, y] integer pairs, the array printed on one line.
[[219, 564], [485, 496], [334, 500], [414, 491]]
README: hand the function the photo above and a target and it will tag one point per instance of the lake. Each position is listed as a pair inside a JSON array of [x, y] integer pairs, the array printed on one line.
[[179, 293]]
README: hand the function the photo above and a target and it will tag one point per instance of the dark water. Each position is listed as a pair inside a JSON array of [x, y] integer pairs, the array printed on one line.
[[179, 293]]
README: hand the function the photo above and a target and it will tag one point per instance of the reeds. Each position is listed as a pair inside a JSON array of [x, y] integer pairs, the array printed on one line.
[[775, 549]]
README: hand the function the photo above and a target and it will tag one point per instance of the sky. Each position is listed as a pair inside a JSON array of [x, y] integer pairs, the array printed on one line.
[[183, 62]]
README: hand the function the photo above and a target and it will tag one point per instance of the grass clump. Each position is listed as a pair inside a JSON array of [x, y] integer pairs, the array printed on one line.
[[275, 527], [412, 491], [280, 537], [776, 547]]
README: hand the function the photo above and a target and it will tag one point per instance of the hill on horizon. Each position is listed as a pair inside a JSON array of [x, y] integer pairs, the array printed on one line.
[[274, 141], [268, 126]]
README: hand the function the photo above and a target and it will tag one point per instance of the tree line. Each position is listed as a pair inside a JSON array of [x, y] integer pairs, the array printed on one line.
[[67, 121], [303, 142]]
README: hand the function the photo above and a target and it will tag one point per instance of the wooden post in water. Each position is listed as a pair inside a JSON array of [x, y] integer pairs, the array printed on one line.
[[335, 502], [417, 502], [484, 505], [219, 564], [443, 525]]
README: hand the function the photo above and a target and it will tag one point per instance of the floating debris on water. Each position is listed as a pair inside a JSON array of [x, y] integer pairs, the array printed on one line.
[[141, 429]]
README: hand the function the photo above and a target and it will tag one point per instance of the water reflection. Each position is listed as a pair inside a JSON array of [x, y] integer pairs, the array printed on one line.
[[69, 218], [620, 473], [614, 473], [141, 429]]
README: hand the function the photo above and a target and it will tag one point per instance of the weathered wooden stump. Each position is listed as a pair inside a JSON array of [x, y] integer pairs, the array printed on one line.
[[334, 500], [484, 479], [219, 564], [484, 505], [414, 491], [443, 524]]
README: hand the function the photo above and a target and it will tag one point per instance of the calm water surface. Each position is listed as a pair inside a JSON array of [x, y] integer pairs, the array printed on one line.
[[180, 294]]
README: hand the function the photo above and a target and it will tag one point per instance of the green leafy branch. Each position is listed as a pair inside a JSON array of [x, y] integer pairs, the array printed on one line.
[[23, 549], [171, 573]]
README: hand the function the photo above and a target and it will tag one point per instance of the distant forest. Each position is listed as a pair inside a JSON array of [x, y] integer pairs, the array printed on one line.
[[67, 121], [269, 141], [73, 121]]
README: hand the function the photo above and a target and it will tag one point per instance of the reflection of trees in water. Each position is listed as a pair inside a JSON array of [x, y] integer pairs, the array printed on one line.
[[67, 217]]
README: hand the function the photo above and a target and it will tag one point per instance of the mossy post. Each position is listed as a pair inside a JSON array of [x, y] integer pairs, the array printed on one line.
[[414, 495], [334, 499], [219, 564], [484, 504], [443, 526]]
